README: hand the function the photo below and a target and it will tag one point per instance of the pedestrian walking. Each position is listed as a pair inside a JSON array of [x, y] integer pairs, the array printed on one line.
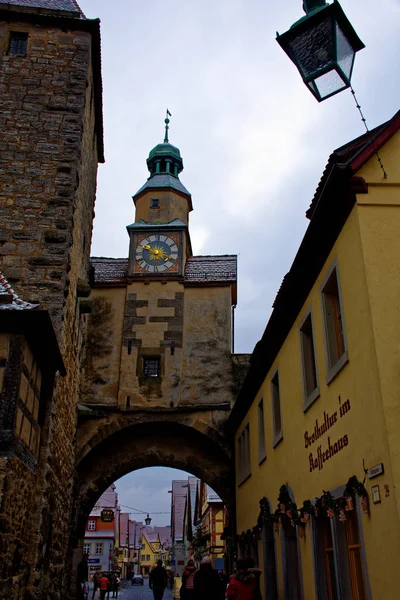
[[158, 580], [244, 584], [187, 588], [177, 584], [103, 586], [82, 576], [96, 583], [115, 581], [207, 584]]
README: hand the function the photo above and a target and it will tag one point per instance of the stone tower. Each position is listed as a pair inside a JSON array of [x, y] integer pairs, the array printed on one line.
[[51, 143], [169, 312]]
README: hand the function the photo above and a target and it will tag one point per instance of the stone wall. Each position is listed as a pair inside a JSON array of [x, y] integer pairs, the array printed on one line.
[[48, 172], [188, 328]]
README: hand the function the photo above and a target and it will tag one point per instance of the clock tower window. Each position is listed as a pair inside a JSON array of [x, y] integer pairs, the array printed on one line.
[[154, 203]]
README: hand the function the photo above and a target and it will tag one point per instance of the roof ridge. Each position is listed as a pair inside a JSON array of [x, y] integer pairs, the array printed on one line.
[[15, 303]]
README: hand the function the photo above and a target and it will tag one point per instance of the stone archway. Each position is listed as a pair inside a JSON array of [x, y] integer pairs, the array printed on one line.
[[162, 442]]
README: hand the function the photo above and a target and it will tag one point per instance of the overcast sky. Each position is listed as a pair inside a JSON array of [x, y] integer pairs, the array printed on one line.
[[254, 141]]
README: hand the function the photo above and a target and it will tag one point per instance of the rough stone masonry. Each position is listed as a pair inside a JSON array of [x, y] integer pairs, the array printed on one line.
[[51, 142]]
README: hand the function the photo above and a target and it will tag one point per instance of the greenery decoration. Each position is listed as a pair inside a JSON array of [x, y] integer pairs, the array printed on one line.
[[325, 505]]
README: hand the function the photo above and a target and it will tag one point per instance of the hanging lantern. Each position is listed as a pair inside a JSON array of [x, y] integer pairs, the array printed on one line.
[[147, 519], [322, 45]]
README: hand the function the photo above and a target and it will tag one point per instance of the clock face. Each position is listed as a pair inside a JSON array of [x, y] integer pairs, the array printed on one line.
[[156, 253]]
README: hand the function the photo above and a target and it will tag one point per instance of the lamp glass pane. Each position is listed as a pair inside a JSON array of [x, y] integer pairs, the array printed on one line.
[[313, 49], [329, 83], [345, 53]]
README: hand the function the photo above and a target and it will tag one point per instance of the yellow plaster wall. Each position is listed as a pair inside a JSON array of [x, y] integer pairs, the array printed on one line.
[[379, 217], [365, 424], [172, 206]]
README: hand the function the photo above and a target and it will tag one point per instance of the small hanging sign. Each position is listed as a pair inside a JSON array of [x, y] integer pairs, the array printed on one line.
[[107, 515], [375, 471]]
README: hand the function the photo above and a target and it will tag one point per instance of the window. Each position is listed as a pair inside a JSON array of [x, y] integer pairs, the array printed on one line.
[[143, 546], [154, 203], [147, 556], [261, 432], [151, 367], [91, 525], [86, 548], [27, 426], [244, 459], [18, 43], [338, 560], [276, 410], [335, 343], [143, 557], [310, 381], [99, 547]]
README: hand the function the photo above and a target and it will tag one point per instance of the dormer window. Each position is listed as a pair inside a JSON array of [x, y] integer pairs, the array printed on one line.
[[154, 203], [18, 43]]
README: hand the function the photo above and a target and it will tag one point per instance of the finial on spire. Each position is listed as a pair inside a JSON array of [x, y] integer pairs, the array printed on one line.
[[167, 126]]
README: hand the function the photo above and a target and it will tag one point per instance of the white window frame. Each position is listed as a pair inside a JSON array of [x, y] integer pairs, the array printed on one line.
[[91, 525], [309, 396], [333, 367], [87, 548], [101, 545], [262, 452], [276, 402], [244, 456]]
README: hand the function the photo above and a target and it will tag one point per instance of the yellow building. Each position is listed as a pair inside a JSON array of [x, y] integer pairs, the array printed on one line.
[[209, 519], [150, 551], [317, 421]]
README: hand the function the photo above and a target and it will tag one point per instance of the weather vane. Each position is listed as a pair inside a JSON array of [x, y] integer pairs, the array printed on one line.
[[166, 126]]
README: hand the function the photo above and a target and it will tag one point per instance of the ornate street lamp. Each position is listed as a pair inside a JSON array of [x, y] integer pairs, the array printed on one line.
[[322, 45], [147, 519]]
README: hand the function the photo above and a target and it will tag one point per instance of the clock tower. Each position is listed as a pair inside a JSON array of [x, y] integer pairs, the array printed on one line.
[[165, 314], [159, 237]]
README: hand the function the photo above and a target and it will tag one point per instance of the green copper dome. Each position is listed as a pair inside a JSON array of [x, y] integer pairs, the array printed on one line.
[[163, 150], [165, 159]]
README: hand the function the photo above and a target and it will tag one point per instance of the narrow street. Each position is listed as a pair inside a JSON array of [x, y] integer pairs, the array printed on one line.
[[135, 592]]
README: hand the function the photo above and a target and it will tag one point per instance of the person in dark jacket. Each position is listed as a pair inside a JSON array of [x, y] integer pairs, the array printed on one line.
[[207, 584], [158, 580]]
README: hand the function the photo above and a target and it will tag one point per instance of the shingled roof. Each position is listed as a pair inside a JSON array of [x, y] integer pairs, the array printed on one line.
[[198, 270], [9, 299], [215, 269], [354, 154], [65, 6]]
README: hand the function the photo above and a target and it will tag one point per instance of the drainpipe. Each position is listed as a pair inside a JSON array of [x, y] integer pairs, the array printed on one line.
[[233, 328]]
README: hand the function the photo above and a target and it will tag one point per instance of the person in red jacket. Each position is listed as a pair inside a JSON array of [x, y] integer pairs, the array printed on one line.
[[103, 586], [243, 585]]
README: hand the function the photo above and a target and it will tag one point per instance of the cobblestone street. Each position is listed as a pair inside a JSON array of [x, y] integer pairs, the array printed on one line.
[[135, 592]]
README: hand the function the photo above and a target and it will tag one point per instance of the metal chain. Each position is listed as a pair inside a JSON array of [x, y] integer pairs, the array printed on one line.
[[363, 119]]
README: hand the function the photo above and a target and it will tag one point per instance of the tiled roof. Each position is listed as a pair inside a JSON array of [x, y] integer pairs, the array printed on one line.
[[109, 270], [179, 494], [9, 300], [211, 269], [69, 6], [212, 496], [198, 269], [162, 181], [165, 534], [346, 154]]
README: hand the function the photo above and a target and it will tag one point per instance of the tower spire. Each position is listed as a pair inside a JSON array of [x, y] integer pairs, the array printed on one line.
[[166, 141]]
